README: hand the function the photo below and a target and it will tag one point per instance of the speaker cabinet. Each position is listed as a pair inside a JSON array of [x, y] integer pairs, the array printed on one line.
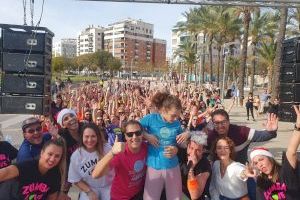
[[26, 84], [29, 39], [289, 92], [290, 73], [291, 50], [27, 63], [286, 112], [25, 105]]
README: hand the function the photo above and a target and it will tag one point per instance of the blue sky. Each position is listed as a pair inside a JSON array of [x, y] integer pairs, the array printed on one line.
[[66, 18]]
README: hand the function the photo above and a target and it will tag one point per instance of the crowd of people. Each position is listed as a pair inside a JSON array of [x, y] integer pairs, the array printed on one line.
[[124, 140]]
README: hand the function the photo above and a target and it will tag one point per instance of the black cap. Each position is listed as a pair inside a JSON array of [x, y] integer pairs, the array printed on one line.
[[30, 121]]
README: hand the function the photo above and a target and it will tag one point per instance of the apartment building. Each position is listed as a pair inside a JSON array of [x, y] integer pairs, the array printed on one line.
[[65, 48], [132, 42], [90, 40]]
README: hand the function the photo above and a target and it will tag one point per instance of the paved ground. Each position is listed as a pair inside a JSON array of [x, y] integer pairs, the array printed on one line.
[[10, 126]]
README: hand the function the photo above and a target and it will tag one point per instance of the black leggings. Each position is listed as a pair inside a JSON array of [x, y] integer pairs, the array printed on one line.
[[251, 110]]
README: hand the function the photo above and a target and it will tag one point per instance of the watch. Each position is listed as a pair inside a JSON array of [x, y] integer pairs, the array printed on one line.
[[296, 128]]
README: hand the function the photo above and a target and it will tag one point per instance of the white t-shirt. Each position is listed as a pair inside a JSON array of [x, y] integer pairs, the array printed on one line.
[[231, 185], [82, 164]]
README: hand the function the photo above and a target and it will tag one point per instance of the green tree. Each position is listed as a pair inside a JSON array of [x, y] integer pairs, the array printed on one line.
[[267, 52], [257, 32], [187, 52], [58, 64], [277, 62]]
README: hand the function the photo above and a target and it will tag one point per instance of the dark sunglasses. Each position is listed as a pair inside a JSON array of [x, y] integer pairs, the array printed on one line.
[[37, 129], [136, 133]]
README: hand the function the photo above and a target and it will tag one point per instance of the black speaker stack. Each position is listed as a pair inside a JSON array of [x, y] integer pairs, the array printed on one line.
[[25, 60], [289, 89]]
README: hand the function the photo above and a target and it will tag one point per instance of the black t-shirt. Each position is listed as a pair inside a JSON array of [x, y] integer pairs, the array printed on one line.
[[288, 185], [202, 166], [34, 185], [7, 154], [71, 143]]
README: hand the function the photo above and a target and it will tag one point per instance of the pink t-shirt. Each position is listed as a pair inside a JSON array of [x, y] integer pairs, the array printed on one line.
[[130, 172]]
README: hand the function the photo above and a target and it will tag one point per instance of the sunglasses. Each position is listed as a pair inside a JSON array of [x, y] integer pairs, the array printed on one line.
[[37, 129], [136, 133]]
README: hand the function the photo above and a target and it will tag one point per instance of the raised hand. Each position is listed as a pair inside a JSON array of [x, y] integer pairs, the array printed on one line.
[[272, 122], [118, 147], [53, 130], [250, 171]]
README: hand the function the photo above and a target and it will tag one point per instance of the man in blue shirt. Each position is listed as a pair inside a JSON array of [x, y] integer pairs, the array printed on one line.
[[34, 140]]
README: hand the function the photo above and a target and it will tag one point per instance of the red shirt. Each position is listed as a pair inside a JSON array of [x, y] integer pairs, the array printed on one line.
[[130, 173]]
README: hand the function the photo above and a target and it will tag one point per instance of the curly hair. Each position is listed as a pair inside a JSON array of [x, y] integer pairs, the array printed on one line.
[[165, 100], [230, 144]]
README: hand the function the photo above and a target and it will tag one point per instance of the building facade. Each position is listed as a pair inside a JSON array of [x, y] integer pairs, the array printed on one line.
[[65, 48], [132, 42], [90, 40]]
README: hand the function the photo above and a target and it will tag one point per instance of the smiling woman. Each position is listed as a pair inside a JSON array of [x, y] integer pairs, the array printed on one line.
[[92, 147], [42, 178]]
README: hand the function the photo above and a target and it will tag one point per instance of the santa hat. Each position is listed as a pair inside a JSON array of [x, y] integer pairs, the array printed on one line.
[[62, 113], [260, 151]]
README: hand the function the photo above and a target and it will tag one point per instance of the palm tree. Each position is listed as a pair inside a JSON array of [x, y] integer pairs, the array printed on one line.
[[229, 28], [277, 61], [257, 32], [267, 55], [187, 52], [245, 12]]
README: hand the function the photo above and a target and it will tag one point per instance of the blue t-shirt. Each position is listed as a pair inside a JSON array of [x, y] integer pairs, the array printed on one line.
[[166, 133]]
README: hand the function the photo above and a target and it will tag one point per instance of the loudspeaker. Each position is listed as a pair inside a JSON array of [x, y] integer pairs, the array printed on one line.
[[25, 105], [26, 39], [26, 63], [290, 73], [291, 50], [26, 84], [286, 112], [289, 92]]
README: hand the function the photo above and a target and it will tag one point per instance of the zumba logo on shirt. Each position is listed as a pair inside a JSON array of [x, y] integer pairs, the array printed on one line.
[[88, 167], [34, 191], [277, 191], [4, 161]]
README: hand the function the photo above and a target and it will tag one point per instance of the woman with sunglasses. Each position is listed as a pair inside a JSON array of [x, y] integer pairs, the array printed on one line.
[[40, 178], [128, 161], [92, 147], [277, 181], [164, 132]]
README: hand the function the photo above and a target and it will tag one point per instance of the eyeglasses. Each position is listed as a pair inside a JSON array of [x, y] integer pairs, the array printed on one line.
[[31, 131], [136, 133], [221, 123]]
